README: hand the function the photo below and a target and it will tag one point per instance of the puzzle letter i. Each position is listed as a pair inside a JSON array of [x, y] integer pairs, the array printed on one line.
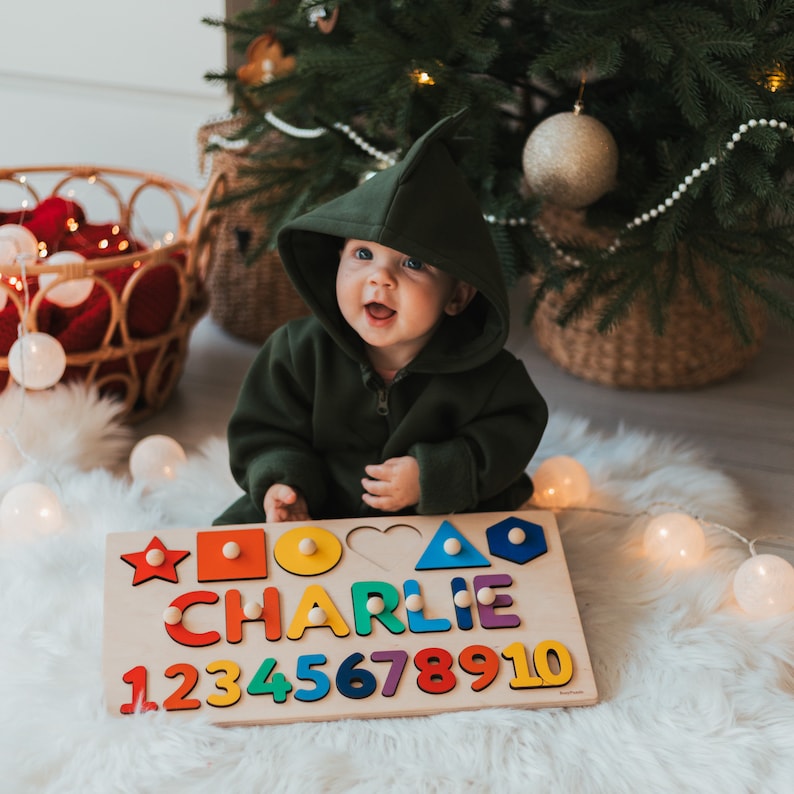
[[346, 618]]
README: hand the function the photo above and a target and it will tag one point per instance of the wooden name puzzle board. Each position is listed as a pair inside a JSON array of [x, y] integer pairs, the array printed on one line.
[[346, 618]]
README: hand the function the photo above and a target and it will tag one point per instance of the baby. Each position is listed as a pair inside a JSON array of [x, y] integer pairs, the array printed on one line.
[[396, 395]]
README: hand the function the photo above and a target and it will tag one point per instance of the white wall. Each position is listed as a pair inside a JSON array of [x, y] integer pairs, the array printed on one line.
[[109, 83]]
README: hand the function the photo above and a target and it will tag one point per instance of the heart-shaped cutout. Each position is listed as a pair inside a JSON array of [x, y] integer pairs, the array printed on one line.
[[386, 547]]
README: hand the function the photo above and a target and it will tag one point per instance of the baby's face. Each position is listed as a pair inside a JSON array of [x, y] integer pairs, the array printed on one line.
[[394, 301]]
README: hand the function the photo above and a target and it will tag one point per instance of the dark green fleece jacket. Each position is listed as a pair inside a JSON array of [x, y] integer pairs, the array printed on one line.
[[312, 413]]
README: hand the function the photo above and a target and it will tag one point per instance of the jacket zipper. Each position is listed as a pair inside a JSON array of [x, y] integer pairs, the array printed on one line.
[[383, 393], [383, 400]]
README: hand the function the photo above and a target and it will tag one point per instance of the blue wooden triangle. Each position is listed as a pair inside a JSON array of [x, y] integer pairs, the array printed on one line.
[[435, 557]]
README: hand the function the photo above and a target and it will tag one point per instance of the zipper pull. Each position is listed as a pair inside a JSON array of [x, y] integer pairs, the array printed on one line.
[[383, 401]]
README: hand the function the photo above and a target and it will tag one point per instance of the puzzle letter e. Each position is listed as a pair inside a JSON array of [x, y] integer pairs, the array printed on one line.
[[341, 619]]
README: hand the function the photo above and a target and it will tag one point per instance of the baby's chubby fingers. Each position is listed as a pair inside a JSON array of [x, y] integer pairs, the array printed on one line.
[[378, 471], [284, 503], [391, 485]]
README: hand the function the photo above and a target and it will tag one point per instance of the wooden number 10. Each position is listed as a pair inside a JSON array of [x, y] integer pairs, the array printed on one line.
[[524, 679]]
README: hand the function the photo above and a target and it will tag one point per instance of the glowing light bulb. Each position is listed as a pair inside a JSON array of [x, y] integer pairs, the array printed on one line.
[[764, 586], [560, 481], [37, 361], [17, 241], [31, 508], [674, 538], [156, 458], [421, 77], [68, 293]]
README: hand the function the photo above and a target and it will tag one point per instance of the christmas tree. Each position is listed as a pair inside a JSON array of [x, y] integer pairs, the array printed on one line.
[[696, 100]]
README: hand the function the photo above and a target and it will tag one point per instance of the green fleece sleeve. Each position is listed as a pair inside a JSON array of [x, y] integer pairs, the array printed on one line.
[[488, 453], [270, 430]]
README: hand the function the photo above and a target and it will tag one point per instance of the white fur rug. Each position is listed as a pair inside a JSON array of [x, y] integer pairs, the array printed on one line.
[[695, 696]]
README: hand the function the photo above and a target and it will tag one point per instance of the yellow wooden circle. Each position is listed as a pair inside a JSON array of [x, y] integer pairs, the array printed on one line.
[[289, 556]]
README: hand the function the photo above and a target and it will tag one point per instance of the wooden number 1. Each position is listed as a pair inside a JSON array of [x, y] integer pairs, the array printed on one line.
[[136, 678]]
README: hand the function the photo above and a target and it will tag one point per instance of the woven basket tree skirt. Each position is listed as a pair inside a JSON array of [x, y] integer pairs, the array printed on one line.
[[698, 347]]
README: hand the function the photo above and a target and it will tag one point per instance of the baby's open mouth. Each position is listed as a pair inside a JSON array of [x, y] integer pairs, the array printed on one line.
[[379, 312]]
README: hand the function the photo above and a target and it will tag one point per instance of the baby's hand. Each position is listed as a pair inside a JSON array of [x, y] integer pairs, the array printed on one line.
[[284, 503], [393, 484]]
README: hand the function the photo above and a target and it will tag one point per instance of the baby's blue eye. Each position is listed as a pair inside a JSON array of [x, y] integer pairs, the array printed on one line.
[[414, 264], [363, 253]]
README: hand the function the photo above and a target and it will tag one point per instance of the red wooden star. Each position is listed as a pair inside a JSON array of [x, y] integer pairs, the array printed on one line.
[[146, 570]]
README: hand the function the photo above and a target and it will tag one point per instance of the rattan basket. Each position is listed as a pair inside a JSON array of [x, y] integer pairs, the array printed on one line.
[[139, 368], [248, 300], [699, 345]]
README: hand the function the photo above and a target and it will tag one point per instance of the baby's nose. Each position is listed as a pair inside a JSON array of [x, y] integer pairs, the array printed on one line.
[[381, 275]]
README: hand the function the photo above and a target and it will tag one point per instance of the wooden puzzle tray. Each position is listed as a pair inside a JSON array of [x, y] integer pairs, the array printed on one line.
[[351, 618]]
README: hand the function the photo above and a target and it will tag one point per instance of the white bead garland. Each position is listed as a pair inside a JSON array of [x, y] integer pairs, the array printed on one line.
[[316, 132], [306, 134], [293, 132], [662, 207], [643, 218], [386, 159]]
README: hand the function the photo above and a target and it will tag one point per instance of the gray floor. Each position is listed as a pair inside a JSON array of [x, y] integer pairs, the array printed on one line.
[[745, 424]]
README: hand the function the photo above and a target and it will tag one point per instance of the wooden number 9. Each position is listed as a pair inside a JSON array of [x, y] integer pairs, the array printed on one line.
[[482, 661]]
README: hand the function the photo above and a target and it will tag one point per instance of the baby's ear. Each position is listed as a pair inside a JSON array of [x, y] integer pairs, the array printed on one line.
[[461, 298]]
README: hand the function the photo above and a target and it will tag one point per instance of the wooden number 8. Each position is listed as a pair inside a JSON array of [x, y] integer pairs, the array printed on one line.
[[435, 671]]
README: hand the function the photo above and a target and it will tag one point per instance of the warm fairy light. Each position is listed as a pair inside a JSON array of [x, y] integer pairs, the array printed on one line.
[[70, 292], [30, 509], [675, 538], [560, 481], [775, 78], [421, 77], [72, 225], [124, 245], [168, 237], [36, 361], [115, 229], [764, 586], [156, 458], [102, 244]]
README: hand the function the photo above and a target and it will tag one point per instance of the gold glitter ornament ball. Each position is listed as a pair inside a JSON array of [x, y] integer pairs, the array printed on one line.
[[571, 160]]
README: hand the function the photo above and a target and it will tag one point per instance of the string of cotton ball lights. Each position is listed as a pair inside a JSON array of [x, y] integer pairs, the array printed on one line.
[[36, 362], [32, 509], [763, 585]]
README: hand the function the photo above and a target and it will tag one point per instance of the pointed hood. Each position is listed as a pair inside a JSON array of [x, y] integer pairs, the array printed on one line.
[[421, 207]]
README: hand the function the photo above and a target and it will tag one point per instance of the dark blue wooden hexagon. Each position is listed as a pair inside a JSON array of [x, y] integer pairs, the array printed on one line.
[[499, 545]]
